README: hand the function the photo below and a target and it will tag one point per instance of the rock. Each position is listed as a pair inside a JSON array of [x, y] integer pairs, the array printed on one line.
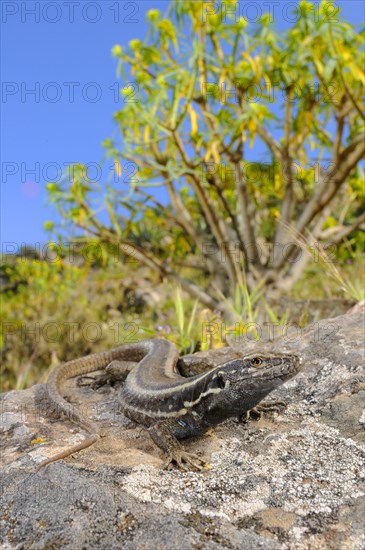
[[288, 481]]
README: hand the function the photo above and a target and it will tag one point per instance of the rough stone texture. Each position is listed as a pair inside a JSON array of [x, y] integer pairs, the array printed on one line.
[[288, 481]]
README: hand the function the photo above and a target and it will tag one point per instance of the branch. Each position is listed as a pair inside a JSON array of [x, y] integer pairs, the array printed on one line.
[[212, 179], [286, 281], [218, 227], [338, 138], [243, 229], [327, 189], [299, 138], [270, 142], [216, 185], [347, 90], [347, 160], [134, 251], [181, 213], [187, 222], [337, 234], [194, 290], [287, 206], [351, 97], [246, 227]]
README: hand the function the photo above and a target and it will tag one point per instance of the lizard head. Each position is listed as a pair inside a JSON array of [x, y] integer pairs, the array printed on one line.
[[260, 366], [244, 382], [237, 386]]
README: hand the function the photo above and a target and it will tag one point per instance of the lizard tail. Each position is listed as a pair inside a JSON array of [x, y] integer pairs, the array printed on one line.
[[84, 365], [64, 454], [77, 367]]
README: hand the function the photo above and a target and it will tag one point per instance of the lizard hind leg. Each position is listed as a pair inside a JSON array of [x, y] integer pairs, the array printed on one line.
[[166, 441], [116, 371]]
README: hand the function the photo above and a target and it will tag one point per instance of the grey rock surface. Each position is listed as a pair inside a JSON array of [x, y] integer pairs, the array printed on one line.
[[286, 481]]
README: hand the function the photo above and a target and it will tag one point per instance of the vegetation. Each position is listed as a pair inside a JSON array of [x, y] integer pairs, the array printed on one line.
[[251, 140], [237, 181]]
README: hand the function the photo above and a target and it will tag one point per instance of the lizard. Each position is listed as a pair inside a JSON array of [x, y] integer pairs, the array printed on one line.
[[169, 405]]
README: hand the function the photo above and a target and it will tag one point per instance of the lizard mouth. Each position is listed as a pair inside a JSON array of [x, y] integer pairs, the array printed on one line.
[[288, 369]]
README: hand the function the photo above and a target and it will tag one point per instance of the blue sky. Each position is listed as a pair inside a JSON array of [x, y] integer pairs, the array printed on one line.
[[59, 94]]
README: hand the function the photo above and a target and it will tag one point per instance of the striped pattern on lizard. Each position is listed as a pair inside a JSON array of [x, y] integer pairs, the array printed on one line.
[[171, 406]]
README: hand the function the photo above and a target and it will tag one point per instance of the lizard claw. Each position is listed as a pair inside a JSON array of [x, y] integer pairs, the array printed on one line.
[[185, 461], [260, 409]]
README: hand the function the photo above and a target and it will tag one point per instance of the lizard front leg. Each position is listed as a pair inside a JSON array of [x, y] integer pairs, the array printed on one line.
[[274, 406], [160, 433]]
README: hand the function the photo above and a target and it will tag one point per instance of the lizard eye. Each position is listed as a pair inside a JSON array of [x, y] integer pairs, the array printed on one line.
[[256, 361]]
